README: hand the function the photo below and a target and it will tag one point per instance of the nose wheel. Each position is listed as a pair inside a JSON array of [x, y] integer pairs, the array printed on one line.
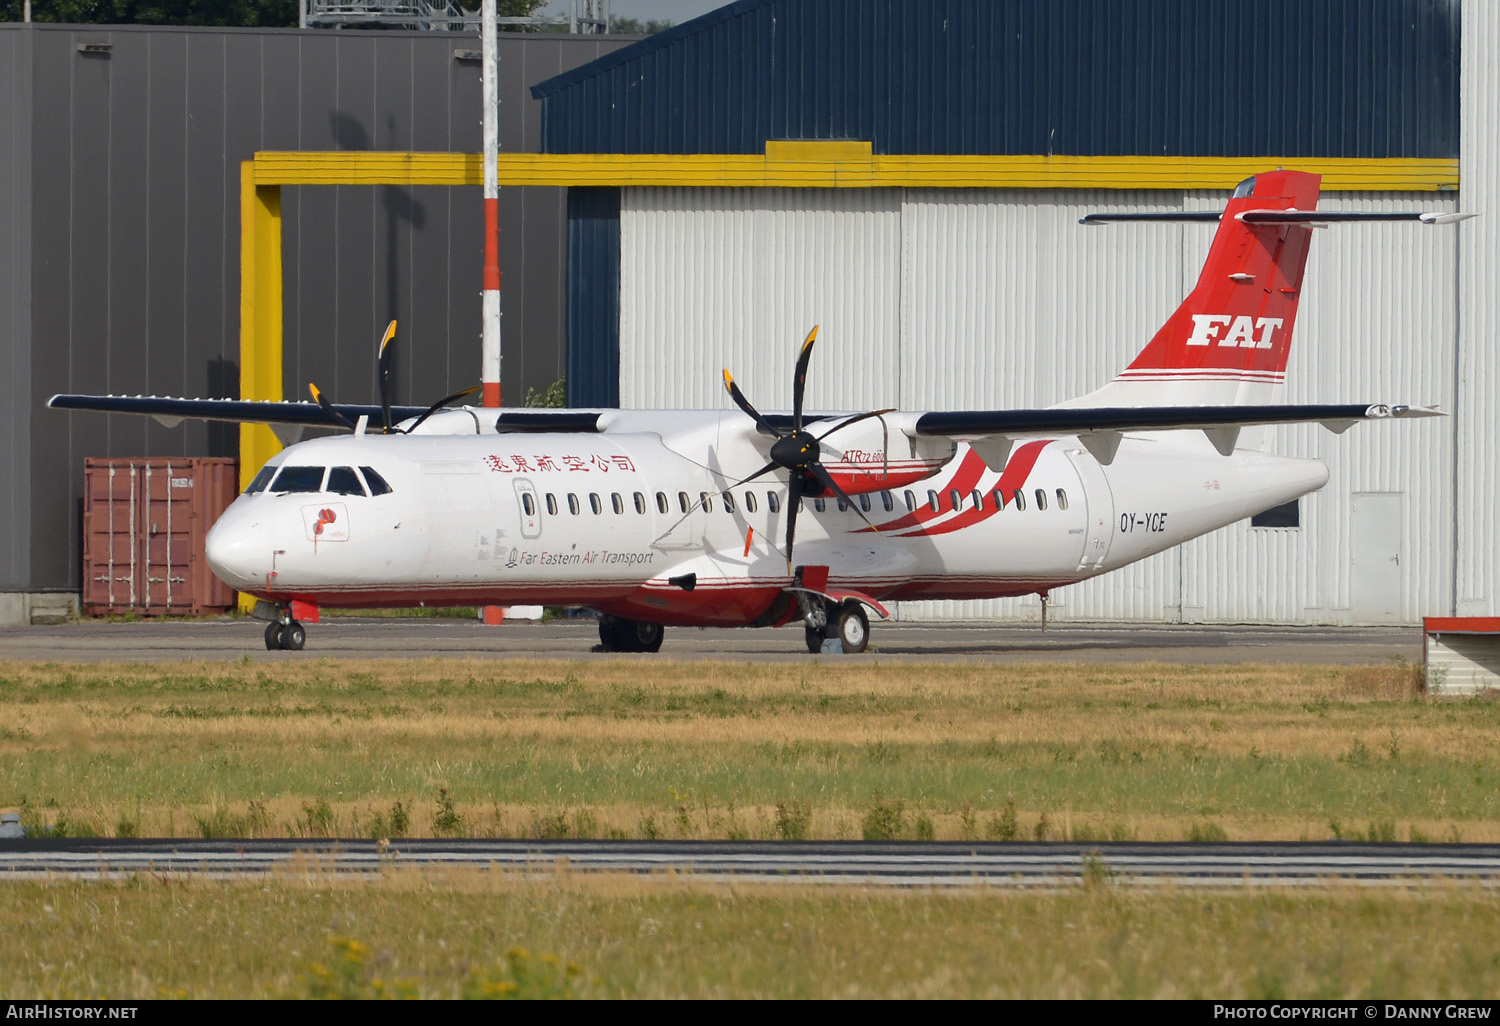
[[289, 636]]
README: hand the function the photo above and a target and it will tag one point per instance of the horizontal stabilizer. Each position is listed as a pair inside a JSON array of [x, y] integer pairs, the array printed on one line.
[[1277, 217]]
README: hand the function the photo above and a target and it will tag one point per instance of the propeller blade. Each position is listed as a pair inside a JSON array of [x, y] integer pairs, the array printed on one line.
[[885, 430], [695, 507], [854, 420], [440, 404], [799, 379], [328, 408], [744, 404], [793, 504], [387, 354], [817, 471]]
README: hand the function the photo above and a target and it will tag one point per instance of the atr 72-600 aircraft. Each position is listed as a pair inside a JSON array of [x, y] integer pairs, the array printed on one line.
[[739, 518]]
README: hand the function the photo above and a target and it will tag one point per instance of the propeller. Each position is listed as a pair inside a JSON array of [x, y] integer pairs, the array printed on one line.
[[798, 451], [386, 363]]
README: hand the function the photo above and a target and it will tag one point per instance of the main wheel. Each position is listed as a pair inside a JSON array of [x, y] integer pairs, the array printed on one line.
[[293, 636], [853, 627], [644, 636], [273, 635], [620, 635], [814, 639]]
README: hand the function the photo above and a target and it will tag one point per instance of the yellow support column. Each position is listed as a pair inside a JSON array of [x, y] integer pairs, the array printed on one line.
[[260, 318]]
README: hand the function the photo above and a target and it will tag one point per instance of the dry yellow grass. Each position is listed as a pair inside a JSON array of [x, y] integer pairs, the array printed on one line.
[[640, 747], [485, 933]]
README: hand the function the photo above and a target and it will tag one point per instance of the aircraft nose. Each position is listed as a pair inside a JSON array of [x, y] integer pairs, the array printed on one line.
[[239, 550]]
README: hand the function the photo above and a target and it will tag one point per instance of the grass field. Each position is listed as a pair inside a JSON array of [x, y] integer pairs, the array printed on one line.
[[643, 748], [488, 934]]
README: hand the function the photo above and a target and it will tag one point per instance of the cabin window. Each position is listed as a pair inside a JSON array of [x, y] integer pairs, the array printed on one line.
[[933, 501], [1020, 499], [299, 479], [640, 503], [595, 504], [661, 502], [707, 501], [842, 505], [1041, 498], [375, 481], [888, 501], [728, 502], [864, 501], [261, 480], [977, 499], [684, 501], [551, 505], [820, 505], [572, 504], [955, 499], [1062, 499], [998, 498], [617, 502], [528, 504], [773, 502], [341, 481], [749, 502], [911, 501]]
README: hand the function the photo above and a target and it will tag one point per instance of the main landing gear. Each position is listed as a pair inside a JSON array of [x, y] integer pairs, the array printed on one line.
[[617, 634], [286, 634], [845, 624]]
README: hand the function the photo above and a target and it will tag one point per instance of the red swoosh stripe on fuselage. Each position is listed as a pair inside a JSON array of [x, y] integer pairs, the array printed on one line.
[[969, 471], [1017, 469]]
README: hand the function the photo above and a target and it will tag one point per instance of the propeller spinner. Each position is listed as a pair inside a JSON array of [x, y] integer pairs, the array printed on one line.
[[798, 451]]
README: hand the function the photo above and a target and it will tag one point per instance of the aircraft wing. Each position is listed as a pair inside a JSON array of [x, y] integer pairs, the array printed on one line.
[[991, 432], [172, 411]]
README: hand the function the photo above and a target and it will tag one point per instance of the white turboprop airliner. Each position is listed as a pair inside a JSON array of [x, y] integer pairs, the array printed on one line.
[[737, 518]]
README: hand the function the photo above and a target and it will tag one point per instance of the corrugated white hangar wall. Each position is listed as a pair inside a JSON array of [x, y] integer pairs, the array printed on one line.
[[971, 299]]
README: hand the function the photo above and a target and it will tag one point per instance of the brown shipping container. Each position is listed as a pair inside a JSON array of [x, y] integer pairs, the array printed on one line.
[[144, 523]]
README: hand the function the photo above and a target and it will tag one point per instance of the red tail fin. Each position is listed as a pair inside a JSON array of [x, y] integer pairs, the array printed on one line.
[[1228, 341]]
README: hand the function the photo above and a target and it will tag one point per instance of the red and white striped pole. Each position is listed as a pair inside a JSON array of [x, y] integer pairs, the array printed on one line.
[[489, 370], [489, 375]]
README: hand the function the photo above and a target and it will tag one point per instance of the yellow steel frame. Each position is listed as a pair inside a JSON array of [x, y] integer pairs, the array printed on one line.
[[786, 165]]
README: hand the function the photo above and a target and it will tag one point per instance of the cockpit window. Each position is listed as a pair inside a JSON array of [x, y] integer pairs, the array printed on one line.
[[375, 481], [341, 481], [299, 479], [261, 480]]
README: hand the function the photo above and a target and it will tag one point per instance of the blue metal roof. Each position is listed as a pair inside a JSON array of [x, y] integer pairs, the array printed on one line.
[[1330, 78]]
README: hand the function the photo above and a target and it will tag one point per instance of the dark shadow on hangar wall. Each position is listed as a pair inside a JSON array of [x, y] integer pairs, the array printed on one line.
[[119, 237]]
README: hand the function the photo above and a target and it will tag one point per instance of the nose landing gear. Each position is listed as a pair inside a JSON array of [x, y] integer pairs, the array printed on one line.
[[288, 635], [285, 631]]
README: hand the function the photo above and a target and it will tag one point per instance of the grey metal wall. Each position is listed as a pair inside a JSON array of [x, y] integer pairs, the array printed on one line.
[[15, 311], [134, 163]]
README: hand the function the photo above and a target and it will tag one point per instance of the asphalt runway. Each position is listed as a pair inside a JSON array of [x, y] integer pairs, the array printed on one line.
[[896, 864], [363, 638]]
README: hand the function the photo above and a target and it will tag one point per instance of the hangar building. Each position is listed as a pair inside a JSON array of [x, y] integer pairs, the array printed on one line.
[[929, 162], [906, 173]]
